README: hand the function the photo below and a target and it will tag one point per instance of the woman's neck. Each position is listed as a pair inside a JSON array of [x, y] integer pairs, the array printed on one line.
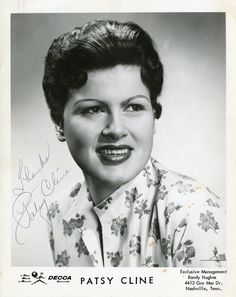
[[98, 191]]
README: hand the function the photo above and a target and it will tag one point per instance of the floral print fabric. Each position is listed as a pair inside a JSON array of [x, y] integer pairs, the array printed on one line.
[[160, 219]]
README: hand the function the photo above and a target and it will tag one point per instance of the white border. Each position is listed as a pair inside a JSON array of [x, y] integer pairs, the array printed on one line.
[[169, 285]]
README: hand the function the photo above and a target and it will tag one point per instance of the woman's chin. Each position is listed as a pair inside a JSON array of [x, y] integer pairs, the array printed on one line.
[[118, 179], [116, 173]]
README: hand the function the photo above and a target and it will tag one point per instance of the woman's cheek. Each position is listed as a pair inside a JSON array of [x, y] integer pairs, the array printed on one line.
[[144, 127]]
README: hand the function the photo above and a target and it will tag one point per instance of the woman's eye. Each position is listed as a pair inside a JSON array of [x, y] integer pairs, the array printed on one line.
[[92, 110], [134, 107]]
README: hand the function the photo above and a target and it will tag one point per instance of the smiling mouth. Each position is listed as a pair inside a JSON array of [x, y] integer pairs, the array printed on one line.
[[114, 154]]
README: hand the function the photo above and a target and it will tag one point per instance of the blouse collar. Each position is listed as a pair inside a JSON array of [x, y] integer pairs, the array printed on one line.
[[82, 202]]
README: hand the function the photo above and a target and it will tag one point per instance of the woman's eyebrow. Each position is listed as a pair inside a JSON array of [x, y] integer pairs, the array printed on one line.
[[135, 97], [87, 100]]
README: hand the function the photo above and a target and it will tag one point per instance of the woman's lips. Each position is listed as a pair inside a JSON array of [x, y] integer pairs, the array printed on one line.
[[114, 154]]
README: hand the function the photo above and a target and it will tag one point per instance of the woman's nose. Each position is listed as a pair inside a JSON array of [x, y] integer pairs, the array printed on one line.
[[114, 127]]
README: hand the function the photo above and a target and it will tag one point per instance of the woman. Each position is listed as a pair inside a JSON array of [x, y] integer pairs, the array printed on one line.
[[101, 83]]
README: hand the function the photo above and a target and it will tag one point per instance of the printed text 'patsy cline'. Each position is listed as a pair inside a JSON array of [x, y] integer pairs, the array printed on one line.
[[125, 280]]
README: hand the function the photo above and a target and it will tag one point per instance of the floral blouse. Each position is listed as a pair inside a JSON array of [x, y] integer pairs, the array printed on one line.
[[159, 219]]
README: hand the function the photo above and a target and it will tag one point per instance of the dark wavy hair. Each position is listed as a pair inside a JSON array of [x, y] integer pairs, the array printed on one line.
[[98, 45]]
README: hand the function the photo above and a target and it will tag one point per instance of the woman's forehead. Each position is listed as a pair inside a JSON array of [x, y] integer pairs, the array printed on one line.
[[121, 81]]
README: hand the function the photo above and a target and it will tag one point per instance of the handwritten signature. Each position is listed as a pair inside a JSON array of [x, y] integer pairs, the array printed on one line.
[[32, 192]]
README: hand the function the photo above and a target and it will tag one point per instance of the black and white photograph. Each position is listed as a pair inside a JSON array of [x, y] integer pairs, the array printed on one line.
[[118, 139]]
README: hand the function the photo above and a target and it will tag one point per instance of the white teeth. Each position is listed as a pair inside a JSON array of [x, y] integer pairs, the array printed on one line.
[[115, 151]]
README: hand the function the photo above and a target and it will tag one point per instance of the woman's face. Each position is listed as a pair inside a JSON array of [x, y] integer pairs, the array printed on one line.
[[109, 125]]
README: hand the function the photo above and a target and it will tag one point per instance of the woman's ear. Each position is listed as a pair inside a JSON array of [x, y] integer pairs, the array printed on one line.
[[154, 125], [60, 133]]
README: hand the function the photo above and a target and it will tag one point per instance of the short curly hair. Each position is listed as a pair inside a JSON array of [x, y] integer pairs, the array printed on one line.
[[98, 45]]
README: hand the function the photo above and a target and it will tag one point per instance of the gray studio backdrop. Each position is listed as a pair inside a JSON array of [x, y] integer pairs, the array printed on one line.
[[190, 136]]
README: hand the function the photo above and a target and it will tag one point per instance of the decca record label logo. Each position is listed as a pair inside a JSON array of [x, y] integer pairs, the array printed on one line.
[[39, 278]]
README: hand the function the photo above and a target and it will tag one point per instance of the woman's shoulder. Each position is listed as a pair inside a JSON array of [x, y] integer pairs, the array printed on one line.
[[177, 188], [61, 203]]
